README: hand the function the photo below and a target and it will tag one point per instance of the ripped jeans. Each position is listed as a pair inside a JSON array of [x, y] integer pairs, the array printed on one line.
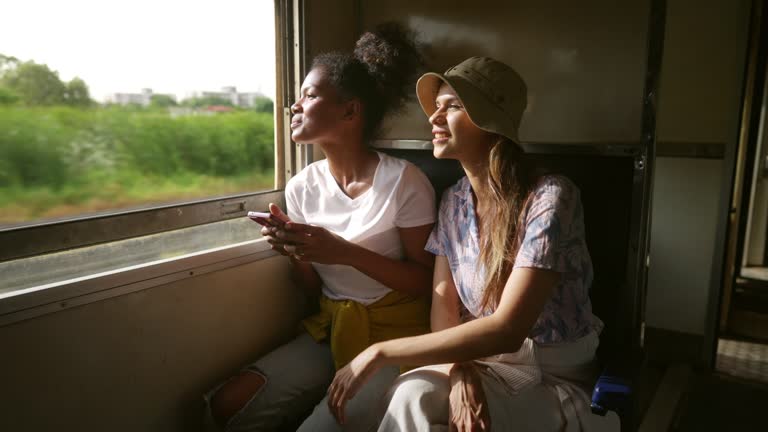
[[297, 376]]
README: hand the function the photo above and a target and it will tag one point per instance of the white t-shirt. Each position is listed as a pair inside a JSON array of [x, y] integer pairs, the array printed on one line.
[[401, 197]]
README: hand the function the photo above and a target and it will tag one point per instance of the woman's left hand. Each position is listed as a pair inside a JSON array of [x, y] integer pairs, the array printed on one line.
[[314, 243], [349, 379], [467, 404]]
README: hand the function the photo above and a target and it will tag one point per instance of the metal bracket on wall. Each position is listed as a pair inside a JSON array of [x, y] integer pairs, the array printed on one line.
[[640, 162]]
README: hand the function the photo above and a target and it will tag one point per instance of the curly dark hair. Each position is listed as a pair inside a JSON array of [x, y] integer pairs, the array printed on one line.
[[380, 73]]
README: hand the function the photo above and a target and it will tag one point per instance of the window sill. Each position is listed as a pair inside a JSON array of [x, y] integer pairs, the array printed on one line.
[[21, 304], [757, 273]]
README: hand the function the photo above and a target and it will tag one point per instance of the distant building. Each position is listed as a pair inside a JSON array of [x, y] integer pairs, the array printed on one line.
[[144, 98], [229, 93]]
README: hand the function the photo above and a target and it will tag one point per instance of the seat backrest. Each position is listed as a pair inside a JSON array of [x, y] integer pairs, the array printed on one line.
[[606, 184]]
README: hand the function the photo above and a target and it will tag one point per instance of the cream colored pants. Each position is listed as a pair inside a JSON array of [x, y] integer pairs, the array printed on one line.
[[418, 401], [538, 388]]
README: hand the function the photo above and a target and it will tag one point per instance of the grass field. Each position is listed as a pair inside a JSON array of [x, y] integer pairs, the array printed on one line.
[[60, 161], [27, 204]]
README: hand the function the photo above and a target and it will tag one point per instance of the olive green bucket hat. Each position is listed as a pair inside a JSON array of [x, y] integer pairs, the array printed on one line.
[[493, 94]]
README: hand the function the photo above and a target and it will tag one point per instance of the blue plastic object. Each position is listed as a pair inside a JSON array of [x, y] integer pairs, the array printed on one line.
[[611, 393]]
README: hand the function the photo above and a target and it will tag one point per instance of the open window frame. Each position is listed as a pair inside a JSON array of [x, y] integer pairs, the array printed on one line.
[[39, 239]]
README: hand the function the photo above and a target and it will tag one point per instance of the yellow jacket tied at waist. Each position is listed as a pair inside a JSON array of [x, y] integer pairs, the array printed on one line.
[[353, 326]]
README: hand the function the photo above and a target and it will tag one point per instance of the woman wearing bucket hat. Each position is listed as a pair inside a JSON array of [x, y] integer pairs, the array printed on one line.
[[357, 224], [513, 335]]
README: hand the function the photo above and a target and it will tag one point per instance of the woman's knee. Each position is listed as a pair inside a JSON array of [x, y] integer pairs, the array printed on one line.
[[285, 382], [417, 401], [360, 411], [425, 389], [232, 397]]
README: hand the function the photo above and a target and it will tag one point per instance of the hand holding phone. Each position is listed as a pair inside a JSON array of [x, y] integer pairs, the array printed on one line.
[[265, 219]]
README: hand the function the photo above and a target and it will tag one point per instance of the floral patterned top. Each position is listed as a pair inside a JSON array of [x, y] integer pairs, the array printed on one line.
[[554, 239]]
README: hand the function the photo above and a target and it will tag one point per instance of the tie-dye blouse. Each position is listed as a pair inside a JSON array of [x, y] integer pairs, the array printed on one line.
[[554, 240]]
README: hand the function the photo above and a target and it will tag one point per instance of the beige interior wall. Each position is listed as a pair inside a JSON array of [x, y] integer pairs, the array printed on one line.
[[704, 53], [583, 62], [330, 25], [685, 211], [140, 362], [699, 102]]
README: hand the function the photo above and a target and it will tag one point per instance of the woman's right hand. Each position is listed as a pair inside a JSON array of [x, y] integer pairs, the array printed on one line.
[[278, 245]]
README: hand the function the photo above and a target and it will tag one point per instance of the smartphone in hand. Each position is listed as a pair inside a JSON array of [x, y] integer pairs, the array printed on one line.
[[265, 219]]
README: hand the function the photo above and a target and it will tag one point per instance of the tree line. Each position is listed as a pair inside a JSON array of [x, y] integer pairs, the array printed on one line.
[[33, 84]]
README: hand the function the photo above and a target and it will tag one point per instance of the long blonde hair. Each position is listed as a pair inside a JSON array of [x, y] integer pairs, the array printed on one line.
[[510, 183]]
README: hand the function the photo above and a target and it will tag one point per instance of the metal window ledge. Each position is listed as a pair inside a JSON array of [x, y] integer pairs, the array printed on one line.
[[31, 302]]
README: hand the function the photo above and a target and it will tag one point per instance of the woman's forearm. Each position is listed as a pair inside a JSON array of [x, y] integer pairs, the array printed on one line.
[[402, 275], [473, 340], [524, 296]]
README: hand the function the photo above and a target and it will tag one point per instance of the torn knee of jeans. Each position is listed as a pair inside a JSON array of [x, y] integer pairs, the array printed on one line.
[[235, 394]]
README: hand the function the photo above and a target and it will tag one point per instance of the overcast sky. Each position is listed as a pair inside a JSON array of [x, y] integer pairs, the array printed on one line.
[[170, 46]]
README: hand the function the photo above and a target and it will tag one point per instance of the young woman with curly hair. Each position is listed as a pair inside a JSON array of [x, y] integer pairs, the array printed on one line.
[[357, 225]]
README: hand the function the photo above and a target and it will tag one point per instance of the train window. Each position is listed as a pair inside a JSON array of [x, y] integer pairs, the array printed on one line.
[[121, 122]]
